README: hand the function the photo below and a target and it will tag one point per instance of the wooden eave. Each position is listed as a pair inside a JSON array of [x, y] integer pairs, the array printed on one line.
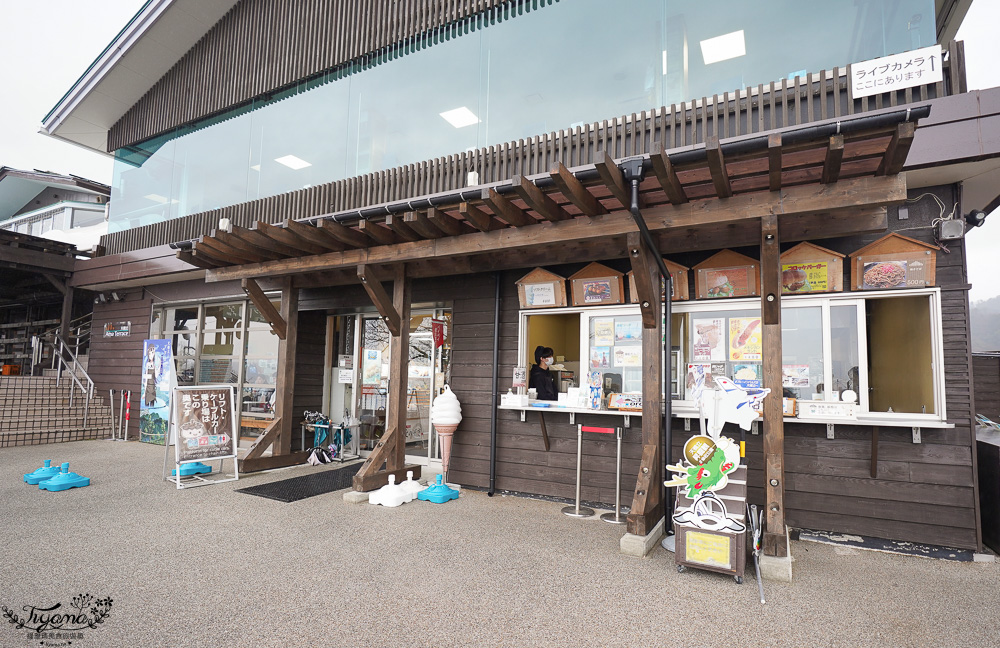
[[710, 203], [875, 245]]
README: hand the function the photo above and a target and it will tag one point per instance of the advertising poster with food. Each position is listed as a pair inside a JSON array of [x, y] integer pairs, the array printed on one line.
[[795, 376], [597, 291], [727, 282], [744, 339], [881, 275], [804, 277], [206, 426], [628, 330], [604, 332], [600, 357], [709, 340], [749, 376], [698, 373]]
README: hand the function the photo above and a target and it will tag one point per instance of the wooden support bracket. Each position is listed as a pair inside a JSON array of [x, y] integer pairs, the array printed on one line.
[[278, 324], [898, 149], [575, 192], [667, 175], [834, 156], [774, 161], [538, 200], [381, 299], [642, 271], [505, 209], [717, 166], [264, 441], [612, 177]]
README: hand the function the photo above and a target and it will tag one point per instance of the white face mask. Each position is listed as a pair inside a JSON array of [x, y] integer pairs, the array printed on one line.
[[548, 360]]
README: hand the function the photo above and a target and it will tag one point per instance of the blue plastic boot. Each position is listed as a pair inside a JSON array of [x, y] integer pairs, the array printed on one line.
[[196, 468], [64, 481], [48, 471], [439, 493]]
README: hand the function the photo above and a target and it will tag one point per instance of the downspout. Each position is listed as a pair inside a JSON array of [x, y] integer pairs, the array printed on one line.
[[496, 378], [633, 171]]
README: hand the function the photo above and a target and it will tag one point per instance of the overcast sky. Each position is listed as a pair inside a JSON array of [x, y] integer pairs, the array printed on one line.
[[48, 44]]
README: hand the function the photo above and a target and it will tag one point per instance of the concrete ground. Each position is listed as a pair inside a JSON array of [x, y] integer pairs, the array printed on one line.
[[211, 567]]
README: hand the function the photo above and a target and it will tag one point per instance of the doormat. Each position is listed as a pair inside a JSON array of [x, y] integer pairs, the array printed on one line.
[[299, 488]]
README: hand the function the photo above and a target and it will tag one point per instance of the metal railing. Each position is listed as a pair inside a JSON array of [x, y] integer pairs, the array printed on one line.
[[63, 359]]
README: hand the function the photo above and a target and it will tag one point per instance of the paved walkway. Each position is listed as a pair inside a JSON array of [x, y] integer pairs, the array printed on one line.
[[212, 567]]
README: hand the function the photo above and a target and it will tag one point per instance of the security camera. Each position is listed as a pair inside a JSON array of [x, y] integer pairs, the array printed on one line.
[[975, 218]]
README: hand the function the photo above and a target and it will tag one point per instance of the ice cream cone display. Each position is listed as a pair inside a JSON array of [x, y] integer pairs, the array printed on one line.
[[446, 414]]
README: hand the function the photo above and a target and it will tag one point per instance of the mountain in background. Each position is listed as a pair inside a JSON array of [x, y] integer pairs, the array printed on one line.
[[985, 323]]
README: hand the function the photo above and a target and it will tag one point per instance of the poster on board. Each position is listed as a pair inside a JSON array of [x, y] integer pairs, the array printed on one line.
[[204, 427], [158, 381], [709, 340]]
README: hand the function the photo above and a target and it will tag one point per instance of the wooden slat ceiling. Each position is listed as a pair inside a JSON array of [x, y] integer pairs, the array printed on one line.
[[322, 251]]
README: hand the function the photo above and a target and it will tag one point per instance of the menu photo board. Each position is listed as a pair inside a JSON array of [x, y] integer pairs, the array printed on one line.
[[727, 274], [204, 427], [893, 262]]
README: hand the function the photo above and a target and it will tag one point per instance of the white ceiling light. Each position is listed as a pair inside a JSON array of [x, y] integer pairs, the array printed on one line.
[[460, 117], [723, 48], [293, 162]]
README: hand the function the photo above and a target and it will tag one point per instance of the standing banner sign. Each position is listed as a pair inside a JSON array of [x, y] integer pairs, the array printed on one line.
[[158, 379], [204, 428]]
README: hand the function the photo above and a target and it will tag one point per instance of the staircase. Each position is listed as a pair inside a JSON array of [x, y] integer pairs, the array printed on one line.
[[51, 409]]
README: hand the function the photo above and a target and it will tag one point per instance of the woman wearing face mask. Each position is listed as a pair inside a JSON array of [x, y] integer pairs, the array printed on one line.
[[540, 378]]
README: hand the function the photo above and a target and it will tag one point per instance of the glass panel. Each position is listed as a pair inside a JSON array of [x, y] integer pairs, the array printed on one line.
[[900, 355], [219, 370], [258, 401], [418, 393], [223, 316], [802, 368], [182, 319], [185, 370], [262, 371], [614, 347], [184, 344], [262, 344], [718, 343], [220, 343], [156, 325], [86, 217], [257, 321], [844, 348], [374, 367]]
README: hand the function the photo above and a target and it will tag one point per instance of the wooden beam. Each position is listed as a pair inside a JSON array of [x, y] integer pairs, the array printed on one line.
[[834, 156], [538, 200], [613, 179], [204, 255], [666, 175], [717, 167], [278, 324], [419, 223], [289, 238], [862, 192], [478, 218], [285, 387], [377, 232], [775, 538], [265, 440], [380, 299], [396, 223], [315, 236], [37, 259], [899, 147], [639, 522], [241, 244], [346, 235], [506, 210], [641, 258], [187, 256], [575, 192], [59, 284], [226, 253], [259, 241], [447, 224], [774, 161]]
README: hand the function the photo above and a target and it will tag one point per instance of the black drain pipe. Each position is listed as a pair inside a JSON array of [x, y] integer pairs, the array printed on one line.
[[496, 378], [633, 170]]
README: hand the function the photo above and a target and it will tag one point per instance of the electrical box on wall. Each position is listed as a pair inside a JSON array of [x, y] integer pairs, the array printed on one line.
[[949, 230]]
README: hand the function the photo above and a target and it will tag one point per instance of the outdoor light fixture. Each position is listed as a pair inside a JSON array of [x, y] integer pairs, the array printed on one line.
[[723, 48], [117, 296], [460, 117], [292, 162], [975, 218]]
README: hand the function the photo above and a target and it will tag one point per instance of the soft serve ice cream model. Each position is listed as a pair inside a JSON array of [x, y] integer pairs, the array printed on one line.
[[446, 414]]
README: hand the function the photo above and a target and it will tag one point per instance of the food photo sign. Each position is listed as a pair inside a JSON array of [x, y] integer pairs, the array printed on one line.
[[894, 262]]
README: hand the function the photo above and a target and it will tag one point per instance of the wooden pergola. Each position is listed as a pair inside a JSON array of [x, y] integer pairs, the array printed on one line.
[[827, 180]]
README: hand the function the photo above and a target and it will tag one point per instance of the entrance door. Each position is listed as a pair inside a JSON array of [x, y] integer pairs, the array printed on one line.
[[429, 367]]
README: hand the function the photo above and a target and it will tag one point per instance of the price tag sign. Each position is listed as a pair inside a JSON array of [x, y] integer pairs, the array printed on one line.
[[520, 377]]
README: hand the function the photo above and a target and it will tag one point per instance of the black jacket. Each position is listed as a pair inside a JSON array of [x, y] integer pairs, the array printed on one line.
[[543, 381]]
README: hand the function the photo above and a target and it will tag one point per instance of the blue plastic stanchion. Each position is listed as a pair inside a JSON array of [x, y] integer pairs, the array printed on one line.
[[439, 493], [64, 481], [48, 471]]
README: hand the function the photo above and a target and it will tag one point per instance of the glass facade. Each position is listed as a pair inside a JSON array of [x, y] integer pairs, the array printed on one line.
[[504, 76]]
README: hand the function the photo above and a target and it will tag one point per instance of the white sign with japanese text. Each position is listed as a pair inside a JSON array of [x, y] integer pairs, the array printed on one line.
[[896, 72]]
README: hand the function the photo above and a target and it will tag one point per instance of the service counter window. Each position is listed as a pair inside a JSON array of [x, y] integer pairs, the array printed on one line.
[[880, 350]]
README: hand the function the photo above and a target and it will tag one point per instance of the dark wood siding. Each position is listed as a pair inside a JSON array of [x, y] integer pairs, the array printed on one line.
[[310, 353], [116, 362], [986, 372]]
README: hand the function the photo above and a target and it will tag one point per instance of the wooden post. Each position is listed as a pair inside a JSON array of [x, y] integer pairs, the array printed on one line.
[[647, 503], [67, 313], [399, 356], [775, 538], [285, 388]]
